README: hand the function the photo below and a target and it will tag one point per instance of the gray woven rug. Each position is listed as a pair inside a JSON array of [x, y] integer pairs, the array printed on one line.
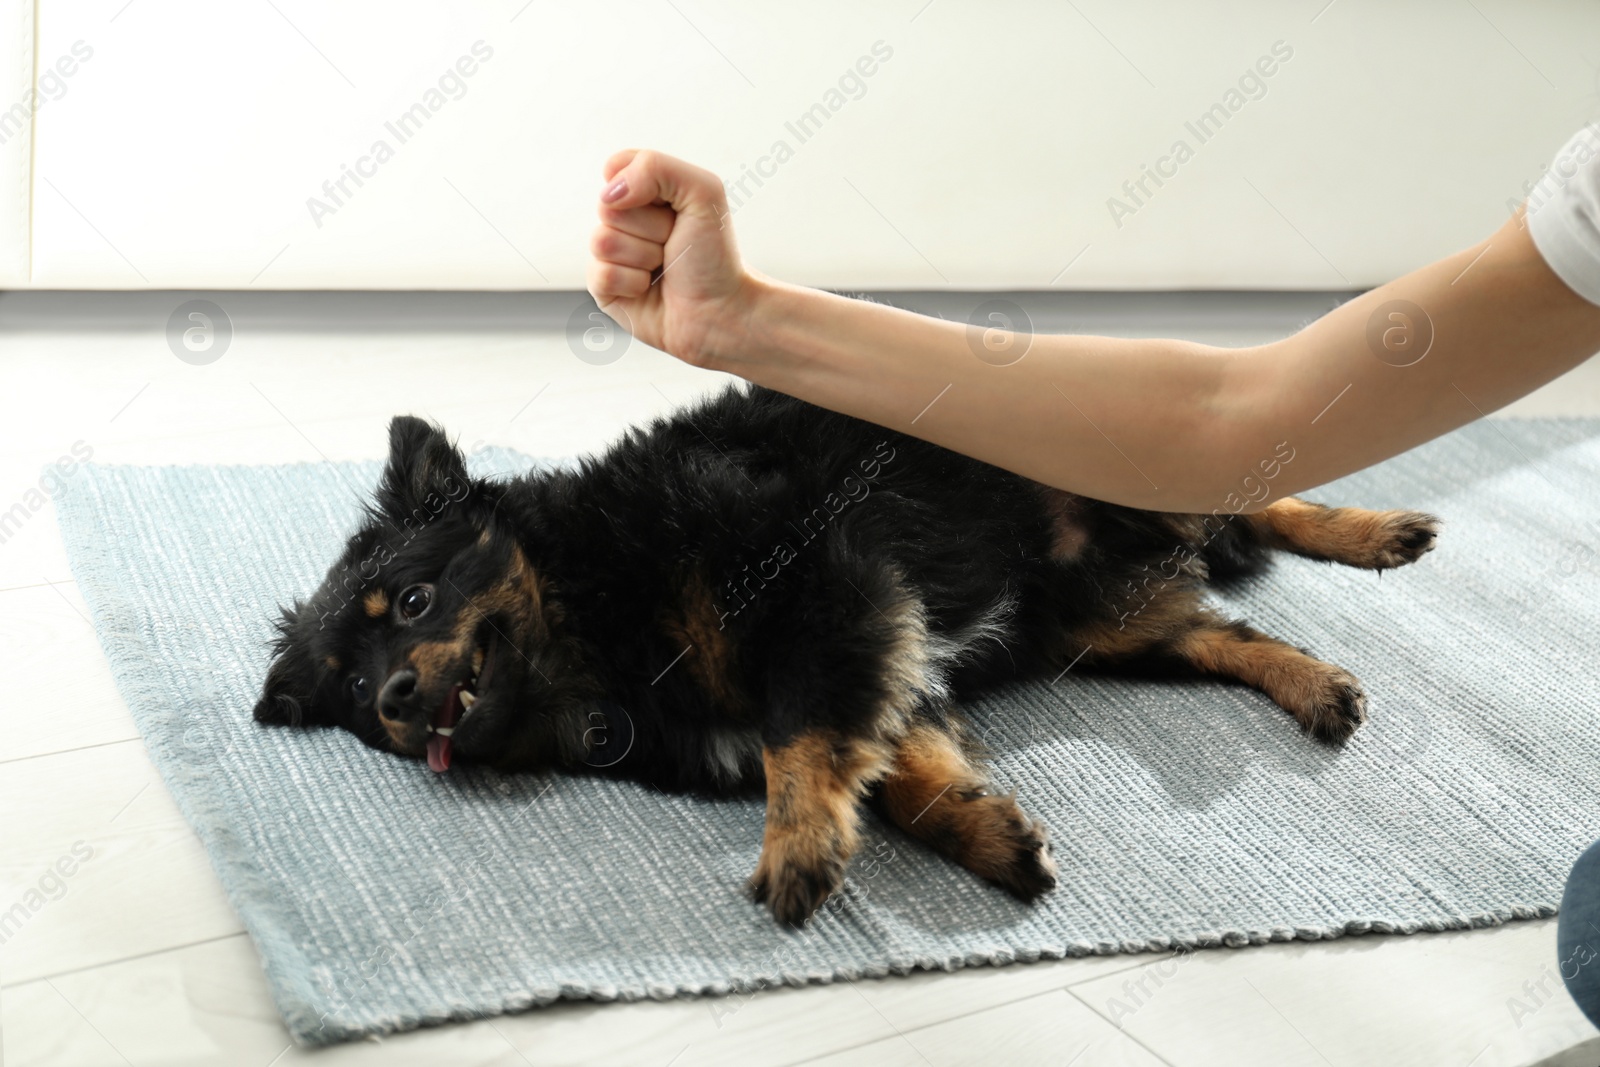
[[383, 897]]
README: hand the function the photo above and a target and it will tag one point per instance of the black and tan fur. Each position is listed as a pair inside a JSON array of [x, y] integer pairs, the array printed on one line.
[[757, 593]]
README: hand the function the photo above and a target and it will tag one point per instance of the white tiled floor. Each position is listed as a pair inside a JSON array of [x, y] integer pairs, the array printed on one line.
[[142, 961]]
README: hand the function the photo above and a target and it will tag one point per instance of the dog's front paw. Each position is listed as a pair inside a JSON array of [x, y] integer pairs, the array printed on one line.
[[793, 878], [1402, 537]]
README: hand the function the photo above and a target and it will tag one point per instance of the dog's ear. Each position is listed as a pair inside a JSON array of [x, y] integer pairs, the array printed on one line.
[[422, 464], [286, 698]]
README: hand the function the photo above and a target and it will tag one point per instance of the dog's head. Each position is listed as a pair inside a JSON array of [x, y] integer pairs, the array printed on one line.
[[432, 633]]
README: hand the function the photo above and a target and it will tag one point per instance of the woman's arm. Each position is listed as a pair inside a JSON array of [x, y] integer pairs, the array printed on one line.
[[1158, 424]]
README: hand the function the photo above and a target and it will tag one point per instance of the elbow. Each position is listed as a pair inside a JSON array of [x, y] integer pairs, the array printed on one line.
[[1245, 459]]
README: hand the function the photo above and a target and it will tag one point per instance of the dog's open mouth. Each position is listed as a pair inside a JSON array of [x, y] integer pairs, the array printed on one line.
[[458, 704]]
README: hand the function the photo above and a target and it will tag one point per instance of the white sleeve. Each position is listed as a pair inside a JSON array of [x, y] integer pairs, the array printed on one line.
[[1564, 214]]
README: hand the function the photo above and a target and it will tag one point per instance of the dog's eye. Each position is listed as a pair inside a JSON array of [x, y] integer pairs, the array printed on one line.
[[359, 690], [413, 603]]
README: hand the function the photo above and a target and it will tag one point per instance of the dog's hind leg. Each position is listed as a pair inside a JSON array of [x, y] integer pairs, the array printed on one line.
[[1174, 633], [1374, 540], [1326, 700], [936, 794]]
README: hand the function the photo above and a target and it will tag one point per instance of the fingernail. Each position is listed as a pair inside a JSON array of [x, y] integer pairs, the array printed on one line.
[[615, 191]]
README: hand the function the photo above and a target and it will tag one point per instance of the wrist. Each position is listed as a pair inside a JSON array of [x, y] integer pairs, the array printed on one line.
[[739, 337]]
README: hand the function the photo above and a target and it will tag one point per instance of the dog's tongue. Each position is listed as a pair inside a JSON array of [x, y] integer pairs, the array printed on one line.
[[438, 754], [439, 743]]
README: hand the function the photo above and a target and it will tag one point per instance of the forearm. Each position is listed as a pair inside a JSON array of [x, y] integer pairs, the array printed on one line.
[[1139, 422]]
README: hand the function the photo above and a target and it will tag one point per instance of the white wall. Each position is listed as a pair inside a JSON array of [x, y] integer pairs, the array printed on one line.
[[16, 137], [982, 152]]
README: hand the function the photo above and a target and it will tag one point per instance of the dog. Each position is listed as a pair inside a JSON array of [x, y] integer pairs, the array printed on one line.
[[757, 593]]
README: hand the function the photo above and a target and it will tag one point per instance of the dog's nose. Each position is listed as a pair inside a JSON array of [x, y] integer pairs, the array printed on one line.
[[398, 699]]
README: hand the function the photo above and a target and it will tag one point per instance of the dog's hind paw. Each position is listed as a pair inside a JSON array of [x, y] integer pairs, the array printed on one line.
[[1029, 871], [995, 839], [1335, 704]]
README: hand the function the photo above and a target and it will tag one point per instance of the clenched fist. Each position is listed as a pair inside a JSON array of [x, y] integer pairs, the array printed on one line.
[[665, 264]]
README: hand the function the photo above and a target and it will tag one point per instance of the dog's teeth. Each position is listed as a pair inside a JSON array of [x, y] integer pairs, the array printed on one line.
[[467, 698], [445, 731]]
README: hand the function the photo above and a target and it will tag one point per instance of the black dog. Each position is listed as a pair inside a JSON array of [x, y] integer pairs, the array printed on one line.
[[759, 590]]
